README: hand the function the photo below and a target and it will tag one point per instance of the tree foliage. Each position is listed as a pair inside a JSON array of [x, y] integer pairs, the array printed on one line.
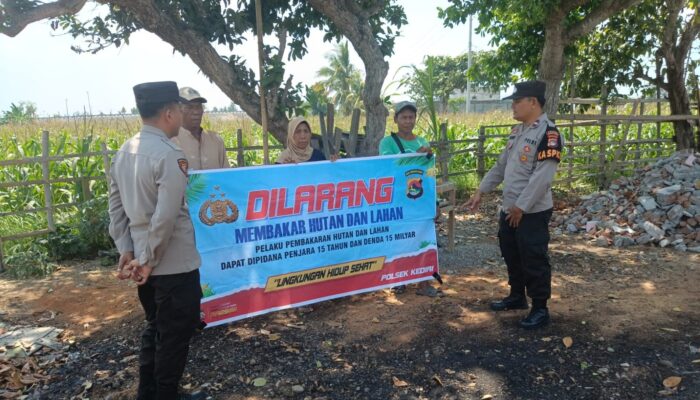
[[451, 74], [343, 80], [533, 38], [202, 28], [19, 113], [316, 99]]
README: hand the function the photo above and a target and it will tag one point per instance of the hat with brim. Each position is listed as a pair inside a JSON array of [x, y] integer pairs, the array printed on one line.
[[158, 92], [191, 95], [528, 89]]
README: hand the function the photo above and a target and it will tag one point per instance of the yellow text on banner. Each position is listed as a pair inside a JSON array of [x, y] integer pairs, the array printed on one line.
[[321, 274]]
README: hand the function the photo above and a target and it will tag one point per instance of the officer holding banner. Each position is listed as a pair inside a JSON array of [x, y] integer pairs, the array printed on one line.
[[526, 167], [151, 227]]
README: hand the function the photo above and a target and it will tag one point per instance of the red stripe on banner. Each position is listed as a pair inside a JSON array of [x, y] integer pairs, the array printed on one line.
[[256, 301]]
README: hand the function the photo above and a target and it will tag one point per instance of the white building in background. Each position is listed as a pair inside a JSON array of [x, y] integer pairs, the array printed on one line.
[[482, 100]]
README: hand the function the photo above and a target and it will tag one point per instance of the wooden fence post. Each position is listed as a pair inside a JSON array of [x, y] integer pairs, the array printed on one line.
[[85, 187], [603, 135], [240, 157], [106, 163], [638, 147], [329, 131], [658, 112], [2, 262], [351, 143], [444, 156], [480, 145], [46, 176], [570, 153]]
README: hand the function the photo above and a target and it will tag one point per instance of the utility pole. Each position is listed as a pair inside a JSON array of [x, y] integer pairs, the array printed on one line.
[[469, 65]]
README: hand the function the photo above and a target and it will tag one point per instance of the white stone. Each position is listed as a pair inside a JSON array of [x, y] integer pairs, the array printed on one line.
[[648, 202], [654, 231]]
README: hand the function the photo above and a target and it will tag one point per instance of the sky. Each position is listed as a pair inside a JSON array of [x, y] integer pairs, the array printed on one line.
[[38, 65]]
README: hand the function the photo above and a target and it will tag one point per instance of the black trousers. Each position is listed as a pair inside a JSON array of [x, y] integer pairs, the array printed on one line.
[[171, 304], [525, 251]]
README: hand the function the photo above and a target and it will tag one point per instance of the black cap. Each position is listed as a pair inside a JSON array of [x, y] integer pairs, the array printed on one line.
[[157, 92], [528, 89]]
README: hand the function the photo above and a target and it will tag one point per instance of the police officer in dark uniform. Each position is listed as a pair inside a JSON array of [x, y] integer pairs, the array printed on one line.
[[151, 227], [526, 167]]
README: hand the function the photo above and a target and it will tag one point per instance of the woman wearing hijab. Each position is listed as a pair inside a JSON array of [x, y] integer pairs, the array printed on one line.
[[299, 144]]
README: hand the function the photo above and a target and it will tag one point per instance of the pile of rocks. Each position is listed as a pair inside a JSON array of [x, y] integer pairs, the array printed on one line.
[[659, 205]]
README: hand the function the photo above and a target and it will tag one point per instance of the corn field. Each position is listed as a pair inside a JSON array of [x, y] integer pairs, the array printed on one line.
[[86, 196]]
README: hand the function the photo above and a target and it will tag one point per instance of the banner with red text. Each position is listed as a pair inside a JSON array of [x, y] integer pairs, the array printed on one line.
[[280, 236]]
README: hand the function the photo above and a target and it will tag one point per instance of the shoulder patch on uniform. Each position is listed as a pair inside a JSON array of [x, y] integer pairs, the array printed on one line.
[[183, 164], [552, 138], [550, 146]]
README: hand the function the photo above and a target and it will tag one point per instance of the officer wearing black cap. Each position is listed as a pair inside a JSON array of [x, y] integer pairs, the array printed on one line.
[[151, 227], [526, 167]]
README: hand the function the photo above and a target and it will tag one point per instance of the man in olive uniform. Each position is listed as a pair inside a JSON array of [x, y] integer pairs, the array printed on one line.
[[151, 228], [204, 149], [526, 167]]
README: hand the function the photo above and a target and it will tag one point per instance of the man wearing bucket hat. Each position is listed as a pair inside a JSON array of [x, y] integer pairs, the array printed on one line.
[[151, 227], [204, 149], [526, 167]]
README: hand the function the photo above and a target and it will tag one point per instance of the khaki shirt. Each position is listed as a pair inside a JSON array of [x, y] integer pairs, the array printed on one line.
[[527, 166], [147, 209], [207, 153]]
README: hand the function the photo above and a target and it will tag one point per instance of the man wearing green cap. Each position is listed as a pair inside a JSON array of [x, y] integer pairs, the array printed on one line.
[[405, 141]]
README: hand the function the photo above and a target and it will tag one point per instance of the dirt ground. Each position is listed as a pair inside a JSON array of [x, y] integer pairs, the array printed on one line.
[[630, 318]]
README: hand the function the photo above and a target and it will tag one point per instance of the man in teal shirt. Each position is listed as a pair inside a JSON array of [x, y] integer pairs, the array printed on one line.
[[404, 141]]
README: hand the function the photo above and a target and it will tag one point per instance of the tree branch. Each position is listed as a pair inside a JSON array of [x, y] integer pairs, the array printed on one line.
[[170, 29], [606, 9], [358, 31], [669, 34], [689, 34], [654, 81], [373, 9], [569, 6], [16, 19], [282, 38]]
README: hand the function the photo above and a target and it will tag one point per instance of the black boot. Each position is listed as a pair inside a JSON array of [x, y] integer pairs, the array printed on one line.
[[537, 318], [514, 301], [193, 396]]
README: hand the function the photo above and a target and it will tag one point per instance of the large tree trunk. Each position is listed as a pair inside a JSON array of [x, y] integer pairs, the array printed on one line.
[[353, 22], [375, 110], [680, 105], [551, 69], [205, 56], [675, 48], [558, 35]]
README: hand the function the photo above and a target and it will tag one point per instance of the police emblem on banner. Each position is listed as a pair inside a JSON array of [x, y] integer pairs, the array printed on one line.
[[218, 211], [414, 183]]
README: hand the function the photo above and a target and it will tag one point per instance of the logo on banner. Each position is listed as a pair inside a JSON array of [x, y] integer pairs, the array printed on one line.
[[414, 184], [218, 211]]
